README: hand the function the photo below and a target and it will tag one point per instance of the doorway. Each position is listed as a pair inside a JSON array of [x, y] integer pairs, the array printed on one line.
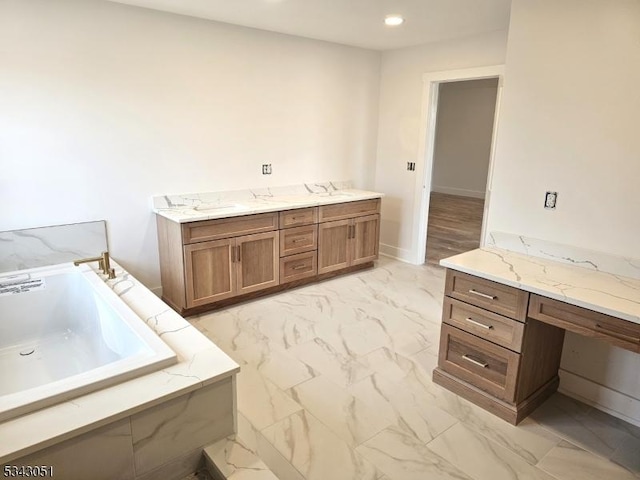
[[460, 121], [462, 148]]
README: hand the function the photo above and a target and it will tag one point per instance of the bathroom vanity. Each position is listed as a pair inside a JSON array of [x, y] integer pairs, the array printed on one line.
[[504, 319], [220, 248]]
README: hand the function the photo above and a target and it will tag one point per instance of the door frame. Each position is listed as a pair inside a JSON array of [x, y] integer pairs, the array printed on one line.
[[424, 165]]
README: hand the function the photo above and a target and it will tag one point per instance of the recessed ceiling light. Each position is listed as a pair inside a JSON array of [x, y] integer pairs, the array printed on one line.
[[393, 20]]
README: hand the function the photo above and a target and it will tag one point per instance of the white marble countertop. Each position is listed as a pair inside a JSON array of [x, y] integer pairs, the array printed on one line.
[[200, 363], [209, 206], [603, 292]]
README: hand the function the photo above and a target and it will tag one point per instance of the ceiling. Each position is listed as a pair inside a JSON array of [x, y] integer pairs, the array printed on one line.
[[351, 22]]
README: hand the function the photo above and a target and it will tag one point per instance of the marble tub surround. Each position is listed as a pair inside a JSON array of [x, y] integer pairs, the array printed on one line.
[[193, 207], [44, 246], [580, 257], [601, 291], [201, 367], [344, 369]]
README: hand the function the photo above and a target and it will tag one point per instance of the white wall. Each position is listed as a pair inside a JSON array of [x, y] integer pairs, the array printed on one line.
[[399, 132], [464, 130], [104, 105], [569, 123]]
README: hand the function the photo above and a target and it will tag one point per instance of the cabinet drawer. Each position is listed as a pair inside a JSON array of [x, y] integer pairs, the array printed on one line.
[[614, 330], [296, 267], [299, 216], [490, 326], [206, 230], [298, 240], [495, 297], [341, 211], [481, 363]]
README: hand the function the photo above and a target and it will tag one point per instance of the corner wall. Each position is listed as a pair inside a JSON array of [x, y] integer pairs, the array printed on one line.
[[103, 105], [399, 132], [569, 123]]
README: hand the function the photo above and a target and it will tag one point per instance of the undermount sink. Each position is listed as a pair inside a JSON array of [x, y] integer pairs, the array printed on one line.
[[207, 207], [335, 194]]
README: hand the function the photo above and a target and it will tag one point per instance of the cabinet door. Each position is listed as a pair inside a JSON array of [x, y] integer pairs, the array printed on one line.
[[333, 241], [364, 239], [258, 262], [210, 273]]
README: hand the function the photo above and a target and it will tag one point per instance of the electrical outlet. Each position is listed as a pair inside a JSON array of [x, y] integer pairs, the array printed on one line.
[[266, 169], [411, 166], [550, 200]]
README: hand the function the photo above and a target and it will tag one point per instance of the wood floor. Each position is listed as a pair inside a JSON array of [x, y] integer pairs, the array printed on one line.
[[454, 225]]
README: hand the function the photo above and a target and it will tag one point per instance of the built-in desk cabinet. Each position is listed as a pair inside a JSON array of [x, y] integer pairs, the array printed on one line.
[[500, 346], [207, 262]]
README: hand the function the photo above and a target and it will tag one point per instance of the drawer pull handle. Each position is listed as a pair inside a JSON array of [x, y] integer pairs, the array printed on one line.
[[299, 267], [483, 295], [479, 324], [296, 240], [475, 362], [619, 336]]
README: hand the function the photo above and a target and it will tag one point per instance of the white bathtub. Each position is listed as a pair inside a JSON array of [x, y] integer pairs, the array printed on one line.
[[66, 333]]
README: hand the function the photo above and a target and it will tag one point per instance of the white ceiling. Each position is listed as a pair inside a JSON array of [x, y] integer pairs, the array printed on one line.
[[351, 22]]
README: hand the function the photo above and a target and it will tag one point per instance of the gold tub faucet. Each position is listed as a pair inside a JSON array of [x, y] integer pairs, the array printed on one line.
[[103, 264]]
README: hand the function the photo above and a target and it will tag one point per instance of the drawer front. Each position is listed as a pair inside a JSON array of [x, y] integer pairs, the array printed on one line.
[[340, 211], [298, 240], [299, 216], [481, 363], [206, 230], [297, 267], [616, 331], [495, 297], [481, 323]]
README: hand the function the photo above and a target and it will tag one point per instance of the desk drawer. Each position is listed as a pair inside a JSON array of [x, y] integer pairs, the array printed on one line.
[[490, 326], [298, 240], [297, 267], [495, 297], [299, 216], [481, 363], [616, 331]]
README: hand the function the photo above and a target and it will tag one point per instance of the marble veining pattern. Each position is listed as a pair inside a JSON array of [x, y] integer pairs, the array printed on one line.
[[603, 292], [361, 349], [193, 207], [569, 254], [44, 246], [200, 363]]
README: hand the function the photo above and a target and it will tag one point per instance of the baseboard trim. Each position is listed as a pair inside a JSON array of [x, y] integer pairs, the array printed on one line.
[[599, 396], [398, 253], [458, 191]]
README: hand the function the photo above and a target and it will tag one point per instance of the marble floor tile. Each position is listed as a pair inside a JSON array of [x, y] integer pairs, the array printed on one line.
[[275, 364], [628, 455], [569, 462], [482, 458], [402, 457], [237, 462], [260, 401], [335, 363], [419, 419], [316, 452], [350, 418], [574, 421]]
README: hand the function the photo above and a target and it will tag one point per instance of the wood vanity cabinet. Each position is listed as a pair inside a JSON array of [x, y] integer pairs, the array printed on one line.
[[352, 238], [210, 262]]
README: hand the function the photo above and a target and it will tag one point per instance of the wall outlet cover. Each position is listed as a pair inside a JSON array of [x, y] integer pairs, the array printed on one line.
[[550, 200]]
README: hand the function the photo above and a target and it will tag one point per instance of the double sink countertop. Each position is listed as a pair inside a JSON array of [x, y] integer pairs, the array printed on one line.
[[585, 286], [209, 206]]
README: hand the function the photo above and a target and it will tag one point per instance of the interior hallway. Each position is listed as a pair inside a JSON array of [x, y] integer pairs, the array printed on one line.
[[454, 226], [336, 384]]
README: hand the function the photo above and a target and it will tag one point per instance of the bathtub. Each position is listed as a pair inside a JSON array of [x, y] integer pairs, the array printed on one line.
[[65, 333]]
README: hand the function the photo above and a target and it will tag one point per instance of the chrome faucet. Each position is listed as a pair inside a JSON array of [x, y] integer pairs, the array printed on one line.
[[103, 264]]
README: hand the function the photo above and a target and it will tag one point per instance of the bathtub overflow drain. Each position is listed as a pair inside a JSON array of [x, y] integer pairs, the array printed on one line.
[[27, 352]]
